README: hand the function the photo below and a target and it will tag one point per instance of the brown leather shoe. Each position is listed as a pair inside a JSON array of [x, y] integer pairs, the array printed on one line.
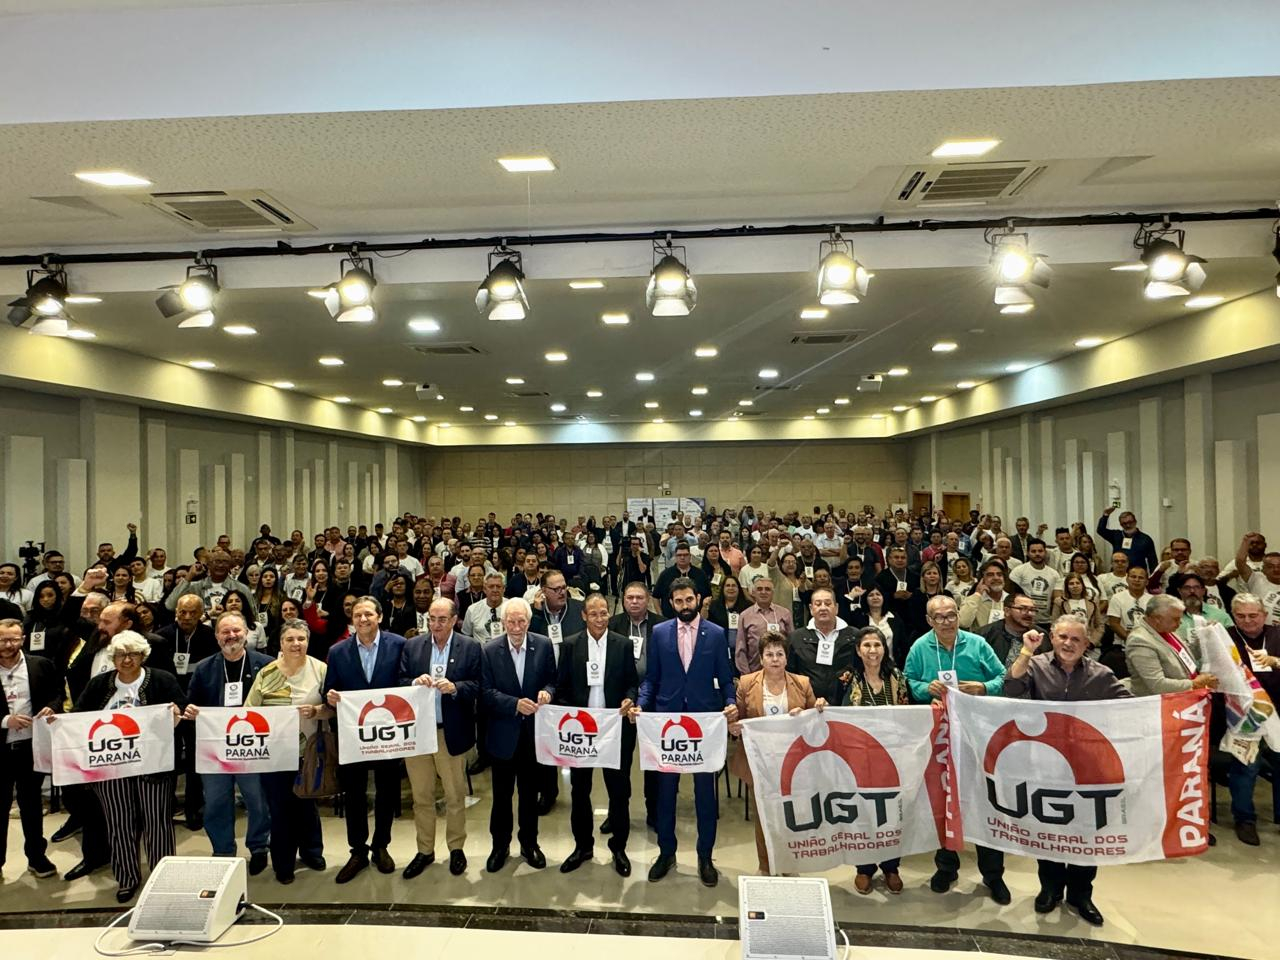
[[862, 883], [894, 881]]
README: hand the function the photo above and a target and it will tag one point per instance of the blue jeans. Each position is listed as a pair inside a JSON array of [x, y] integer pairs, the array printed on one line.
[[1240, 781], [220, 812]]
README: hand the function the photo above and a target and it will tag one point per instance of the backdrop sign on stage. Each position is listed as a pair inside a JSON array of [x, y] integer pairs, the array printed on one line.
[[578, 737], [91, 747], [385, 724], [846, 786], [1091, 783], [240, 740], [682, 742]]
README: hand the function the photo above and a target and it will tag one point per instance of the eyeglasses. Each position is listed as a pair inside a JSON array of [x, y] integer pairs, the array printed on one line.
[[945, 617], [1023, 609]]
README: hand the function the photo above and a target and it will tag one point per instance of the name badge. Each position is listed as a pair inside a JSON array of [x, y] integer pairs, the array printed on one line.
[[772, 628], [569, 560], [1254, 665], [733, 621], [637, 643], [37, 641], [554, 632], [826, 652], [232, 694], [716, 578], [997, 613], [182, 663], [422, 622], [495, 629], [902, 586], [948, 677], [262, 618], [808, 571], [437, 671], [595, 676], [774, 710], [1126, 543], [1186, 659], [715, 683]]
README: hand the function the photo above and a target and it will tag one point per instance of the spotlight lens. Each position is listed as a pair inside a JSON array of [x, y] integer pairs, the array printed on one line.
[[503, 289], [1168, 266], [196, 294], [354, 289], [1015, 265], [839, 273], [47, 306]]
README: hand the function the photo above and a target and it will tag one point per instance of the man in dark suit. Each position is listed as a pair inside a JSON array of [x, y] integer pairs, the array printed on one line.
[[370, 660], [32, 688], [449, 662], [555, 615], [688, 671], [518, 674], [636, 622], [598, 669]]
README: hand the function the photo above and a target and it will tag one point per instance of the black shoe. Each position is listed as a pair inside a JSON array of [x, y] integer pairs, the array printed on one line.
[[82, 869], [125, 894], [621, 865], [533, 856], [477, 768], [941, 881], [1047, 901], [606, 828], [574, 860], [661, 867], [496, 859], [999, 892], [258, 862], [313, 863], [1088, 912], [457, 862], [194, 823], [352, 867], [382, 860], [41, 868], [284, 878], [419, 863], [66, 831], [707, 872], [1247, 832]]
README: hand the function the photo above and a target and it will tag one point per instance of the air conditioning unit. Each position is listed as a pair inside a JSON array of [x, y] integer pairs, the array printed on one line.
[[190, 898], [226, 211], [871, 383], [785, 917]]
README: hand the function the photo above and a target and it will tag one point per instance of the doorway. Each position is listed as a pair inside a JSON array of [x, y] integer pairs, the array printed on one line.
[[921, 503], [956, 506]]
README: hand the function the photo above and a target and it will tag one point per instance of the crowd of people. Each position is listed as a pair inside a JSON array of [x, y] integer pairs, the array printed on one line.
[[745, 612]]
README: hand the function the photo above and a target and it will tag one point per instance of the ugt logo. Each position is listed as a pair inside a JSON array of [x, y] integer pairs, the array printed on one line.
[[107, 750], [250, 745], [1091, 756], [691, 742], [873, 771], [581, 742], [403, 720]]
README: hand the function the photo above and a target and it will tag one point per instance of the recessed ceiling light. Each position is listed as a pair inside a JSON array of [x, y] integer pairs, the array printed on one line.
[[814, 313], [651, 404], [82, 298], [644, 376], [526, 164], [439, 396], [842, 401], [341, 398], [419, 419], [823, 411], [705, 353], [393, 382], [746, 403], [491, 416], [1129, 267], [944, 346], [768, 373], [330, 361], [508, 423], [1089, 342], [1017, 308], [556, 356], [877, 416], [899, 371], [695, 413], [594, 394], [807, 416], [614, 319], [80, 333], [466, 409], [1204, 300], [699, 391], [964, 148], [424, 325], [586, 284], [384, 410], [515, 381], [240, 330], [901, 408], [558, 408], [445, 425], [658, 420], [1016, 367], [966, 385], [928, 398], [112, 178], [201, 364], [283, 384]]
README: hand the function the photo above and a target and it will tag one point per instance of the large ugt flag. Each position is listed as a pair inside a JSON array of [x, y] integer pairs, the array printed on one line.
[[386, 724], [90, 747], [1091, 783], [578, 737]]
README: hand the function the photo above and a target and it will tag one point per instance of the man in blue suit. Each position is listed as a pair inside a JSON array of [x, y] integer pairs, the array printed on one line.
[[517, 676], [370, 660], [688, 671]]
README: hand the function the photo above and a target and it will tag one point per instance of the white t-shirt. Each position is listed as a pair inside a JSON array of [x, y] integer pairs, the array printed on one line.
[[1061, 560], [1268, 593], [1126, 608], [1113, 583], [747, 575], [412, 566], [1039, 585], [149, 589], [126, 694], [775, 705]]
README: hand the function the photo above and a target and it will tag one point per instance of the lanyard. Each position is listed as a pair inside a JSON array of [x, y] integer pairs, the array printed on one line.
[[227, 677], [188, 638], [937, 653]]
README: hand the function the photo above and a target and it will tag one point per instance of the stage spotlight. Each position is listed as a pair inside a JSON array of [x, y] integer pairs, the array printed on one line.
[[1170, 271], [501, 296], [841, 278], [45, 301], [195, 299], [1017, 269], [671, 291], [350, 300]]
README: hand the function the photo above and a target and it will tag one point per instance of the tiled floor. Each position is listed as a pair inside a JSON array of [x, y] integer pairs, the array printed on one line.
[[1200, 905]]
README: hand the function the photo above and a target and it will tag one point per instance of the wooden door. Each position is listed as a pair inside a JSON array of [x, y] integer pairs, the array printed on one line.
[[956, 506], [921, 503]]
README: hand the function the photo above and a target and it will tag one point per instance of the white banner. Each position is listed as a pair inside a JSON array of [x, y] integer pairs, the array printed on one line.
[[682, 742], [382, 724], [89, 747], [847, 786], [1251, 716], [578, 737], [1091, 783], [42, 746], [247, 740]]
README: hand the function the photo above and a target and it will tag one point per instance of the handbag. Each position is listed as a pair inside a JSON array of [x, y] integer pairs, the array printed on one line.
[[318, 772]]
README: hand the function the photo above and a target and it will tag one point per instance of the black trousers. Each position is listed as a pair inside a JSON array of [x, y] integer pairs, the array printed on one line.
[[354, 780], [17, 776], [83, 808], [521, 771], [651, 780], [192, 791], [990, 862], [582, 821], [295, 822], [548, 783], [1076, 880]]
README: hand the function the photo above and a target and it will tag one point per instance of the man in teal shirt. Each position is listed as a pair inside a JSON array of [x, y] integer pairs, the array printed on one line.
[[948, 657], [1189, 588]]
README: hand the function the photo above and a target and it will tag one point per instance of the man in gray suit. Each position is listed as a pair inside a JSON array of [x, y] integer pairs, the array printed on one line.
[[1159, 660]]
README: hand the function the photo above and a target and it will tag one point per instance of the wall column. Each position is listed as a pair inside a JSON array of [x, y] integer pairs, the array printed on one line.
[[23, 493], [1232, 483], [1050, 505], [1150, 464], [155, 529], [1025, 501], [1268, 470], [266, 487], [111, 443], [72, 528], [1197, 399]]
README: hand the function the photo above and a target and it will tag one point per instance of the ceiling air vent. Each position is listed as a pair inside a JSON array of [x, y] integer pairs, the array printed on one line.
[[749, 413], [776, 387], [826, 338], [227, 211], [962, 184], [448, 349], [528, 394]]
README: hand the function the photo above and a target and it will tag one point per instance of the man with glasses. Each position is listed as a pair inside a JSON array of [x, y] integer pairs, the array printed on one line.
[[1005, 636], [947, 661]]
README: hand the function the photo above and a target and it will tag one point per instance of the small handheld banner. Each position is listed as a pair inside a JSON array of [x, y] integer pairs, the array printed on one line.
[[106, 745], [42, 745], [385, 724], [682, 742], [247, 740], [578, 737]]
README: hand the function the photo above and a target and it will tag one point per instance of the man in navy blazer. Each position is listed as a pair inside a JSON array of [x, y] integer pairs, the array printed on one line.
[[518, 675], [449, 662], [688, 671], [370, 660]]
